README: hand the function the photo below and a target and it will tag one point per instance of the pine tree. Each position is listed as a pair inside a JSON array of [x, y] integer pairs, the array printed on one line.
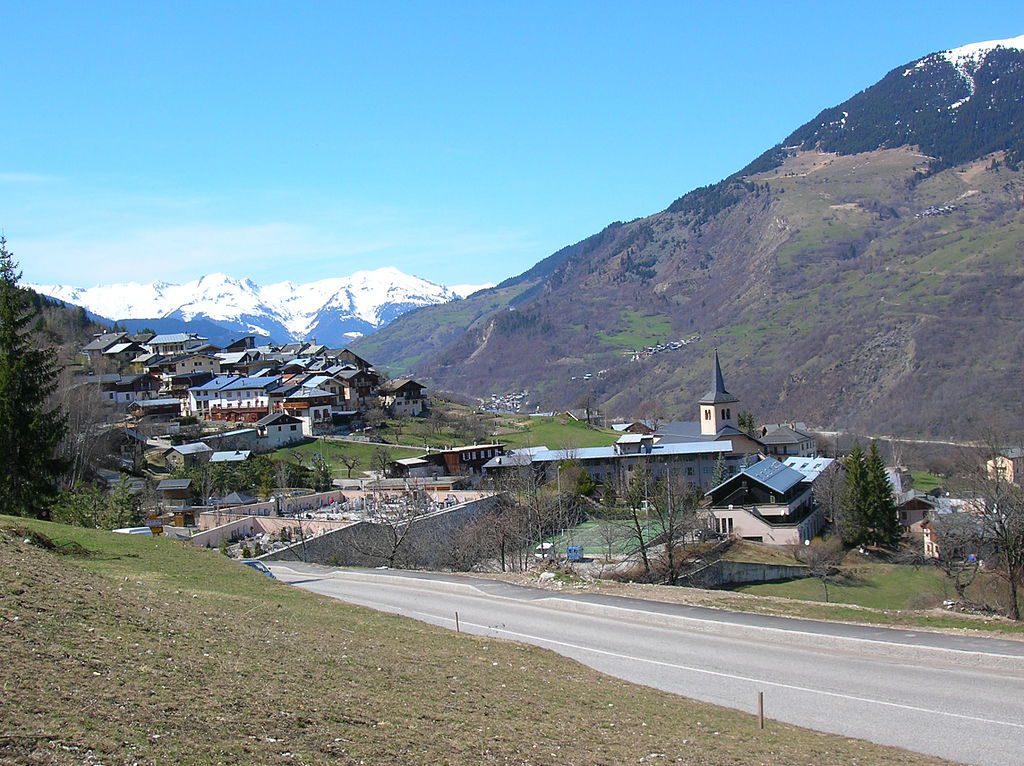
[[720, 472], [880, 506], [30, 427], [853, 523]]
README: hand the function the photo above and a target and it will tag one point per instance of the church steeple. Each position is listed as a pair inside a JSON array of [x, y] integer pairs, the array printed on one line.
[[715, 406]]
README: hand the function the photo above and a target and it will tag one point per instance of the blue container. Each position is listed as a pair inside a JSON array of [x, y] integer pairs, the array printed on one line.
[[574, 552]]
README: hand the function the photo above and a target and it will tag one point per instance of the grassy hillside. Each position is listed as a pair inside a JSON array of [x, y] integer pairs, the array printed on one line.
[[855, 291], [128, 650]]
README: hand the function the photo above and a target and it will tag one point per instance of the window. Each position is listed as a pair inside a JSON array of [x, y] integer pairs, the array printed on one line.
[[707, 414], [293, 428], [689, 470]]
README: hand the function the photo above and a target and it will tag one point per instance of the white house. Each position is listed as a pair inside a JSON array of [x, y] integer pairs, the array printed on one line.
[[279, 430]]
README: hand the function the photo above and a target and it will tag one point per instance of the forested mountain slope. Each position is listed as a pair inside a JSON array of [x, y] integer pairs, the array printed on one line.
[[860, 274]]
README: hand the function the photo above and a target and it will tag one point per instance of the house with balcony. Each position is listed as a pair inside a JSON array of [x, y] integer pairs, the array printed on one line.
[[235, 399], [767, 502], [403, 397]]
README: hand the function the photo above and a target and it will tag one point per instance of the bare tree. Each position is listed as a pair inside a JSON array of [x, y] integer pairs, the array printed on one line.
[[675, 509], [87, 417], [612, 532], [638, 502], [351, 462], [380, 461], [998, 505], [822, 559], [957, 536]]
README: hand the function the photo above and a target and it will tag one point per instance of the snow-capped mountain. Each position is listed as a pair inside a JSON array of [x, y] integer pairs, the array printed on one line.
[[330, 310]]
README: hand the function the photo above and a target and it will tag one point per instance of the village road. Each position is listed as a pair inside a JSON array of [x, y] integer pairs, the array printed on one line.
[[952, 696]]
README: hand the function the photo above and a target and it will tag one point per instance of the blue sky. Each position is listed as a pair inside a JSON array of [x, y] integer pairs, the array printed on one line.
[[461, 142]]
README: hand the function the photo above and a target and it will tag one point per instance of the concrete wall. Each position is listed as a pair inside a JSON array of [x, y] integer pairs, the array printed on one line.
[[426, 544], [233, 526], [723, 572]]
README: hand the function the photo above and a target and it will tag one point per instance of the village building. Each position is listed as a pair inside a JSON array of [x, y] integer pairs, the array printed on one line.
[[166, 408], [236, 439], [717, 413], [174, 343], [125, 389], [782, 440], [175, 493], [312, 406], [767, 502], [96, 347], [1009, 465], [280, 429], [187, 455], [403, 397], [233, 399], [231, 456]]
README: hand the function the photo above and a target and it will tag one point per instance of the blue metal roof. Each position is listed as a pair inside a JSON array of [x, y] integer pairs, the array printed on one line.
[[774, 475], [659, 450]]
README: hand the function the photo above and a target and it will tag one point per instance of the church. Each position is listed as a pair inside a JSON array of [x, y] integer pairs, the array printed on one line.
[[717, 412]]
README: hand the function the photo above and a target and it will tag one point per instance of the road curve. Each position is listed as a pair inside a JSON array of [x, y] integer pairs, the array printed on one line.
[[956, 697]]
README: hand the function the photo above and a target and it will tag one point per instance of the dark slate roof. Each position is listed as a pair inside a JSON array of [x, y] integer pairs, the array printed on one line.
[[780, 433], [174, 484], [277, 419], [717, 394]]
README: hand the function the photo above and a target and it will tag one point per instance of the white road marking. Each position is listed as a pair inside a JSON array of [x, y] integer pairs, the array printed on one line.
[[732, 676]]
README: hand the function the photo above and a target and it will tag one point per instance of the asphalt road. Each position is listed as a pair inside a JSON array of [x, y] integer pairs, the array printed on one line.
[[957, 697]]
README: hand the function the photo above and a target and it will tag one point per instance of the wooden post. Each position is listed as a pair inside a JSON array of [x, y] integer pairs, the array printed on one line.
[[760, 710], [457, 630]]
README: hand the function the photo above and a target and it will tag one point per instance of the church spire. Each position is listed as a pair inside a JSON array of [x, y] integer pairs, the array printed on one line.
[[718, 393]]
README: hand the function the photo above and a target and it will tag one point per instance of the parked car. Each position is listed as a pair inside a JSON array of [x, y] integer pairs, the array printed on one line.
[[260, 567]]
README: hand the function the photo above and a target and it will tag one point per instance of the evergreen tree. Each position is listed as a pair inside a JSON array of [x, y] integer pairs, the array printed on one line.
[[853, 523], [720, 473], [880, 505], [30, 427]]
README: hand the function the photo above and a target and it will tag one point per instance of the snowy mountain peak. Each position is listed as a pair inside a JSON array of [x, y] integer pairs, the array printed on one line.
[[332, 310], [973, 53], [967, 59]]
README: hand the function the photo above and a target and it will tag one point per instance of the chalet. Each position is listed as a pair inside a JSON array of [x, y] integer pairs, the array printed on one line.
[[193, 362], [242, 344], [455, 461], [232, 398], [403, 397], [175, 493], [169, 407], [178, 385], [238, 361], [122, 354], [279, 430], [125, 389], [913, 508], [310, 405], [355, 388], [174, 343], [187, 455], [346, 356], [1008, 465], [634, 427], [784, 439], [767, 502], [101, 343]]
